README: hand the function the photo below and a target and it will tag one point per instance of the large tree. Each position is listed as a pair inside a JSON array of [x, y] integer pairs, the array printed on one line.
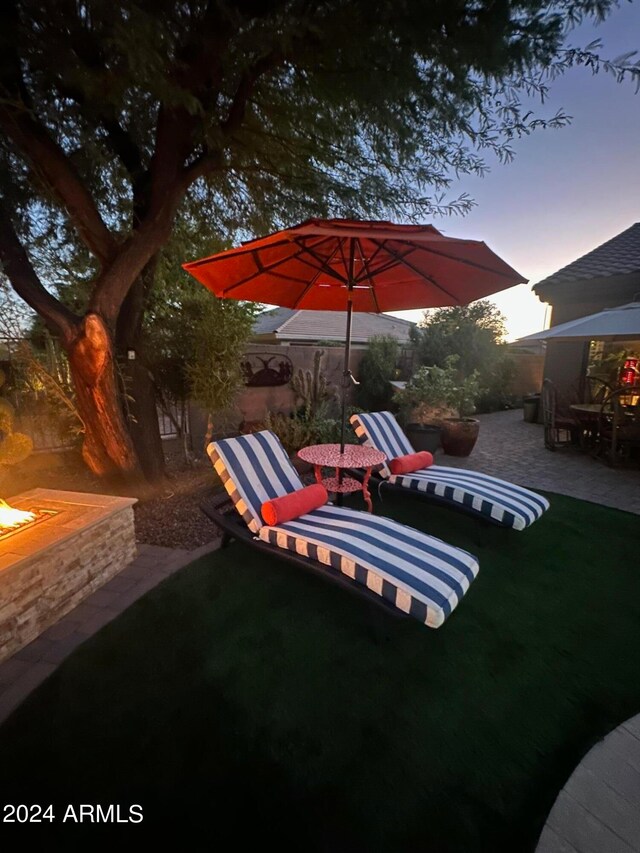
[[475, 335], [119, 117]]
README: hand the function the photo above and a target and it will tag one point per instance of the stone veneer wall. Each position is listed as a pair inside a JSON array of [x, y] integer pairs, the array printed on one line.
[[47, 585]]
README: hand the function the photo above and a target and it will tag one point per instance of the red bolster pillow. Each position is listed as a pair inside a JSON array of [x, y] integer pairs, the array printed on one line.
[[294, 504], [411, 462]]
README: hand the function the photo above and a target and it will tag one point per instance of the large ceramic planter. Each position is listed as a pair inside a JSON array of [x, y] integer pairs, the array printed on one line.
[[423, 437], [459, 435]]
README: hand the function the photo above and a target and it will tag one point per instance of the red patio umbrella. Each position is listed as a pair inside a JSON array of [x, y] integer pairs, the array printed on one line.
[[343, 264]]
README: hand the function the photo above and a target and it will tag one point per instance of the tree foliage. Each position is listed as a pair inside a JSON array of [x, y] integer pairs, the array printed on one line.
[[377, 369], [474, 334], [213, 367], [120, 121]]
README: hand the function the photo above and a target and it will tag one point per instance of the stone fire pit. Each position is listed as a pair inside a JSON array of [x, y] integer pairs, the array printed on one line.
[[78, 542]]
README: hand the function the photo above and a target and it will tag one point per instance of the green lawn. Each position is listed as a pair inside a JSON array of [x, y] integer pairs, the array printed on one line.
[[246, 700]]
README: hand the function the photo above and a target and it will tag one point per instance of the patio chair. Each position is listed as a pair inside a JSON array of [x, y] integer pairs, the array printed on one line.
[[596, 389], [481, 495], [619, 425], [413, 573], [558, 429]]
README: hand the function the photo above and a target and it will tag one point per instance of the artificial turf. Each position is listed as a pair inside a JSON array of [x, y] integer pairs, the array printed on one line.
[[246, 701]]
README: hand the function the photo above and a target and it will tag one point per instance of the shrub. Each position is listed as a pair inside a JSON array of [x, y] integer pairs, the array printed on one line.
[[377, 369], [440, 389]]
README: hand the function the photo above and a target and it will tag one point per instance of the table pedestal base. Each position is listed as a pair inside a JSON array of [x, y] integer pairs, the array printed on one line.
[[345, 485]]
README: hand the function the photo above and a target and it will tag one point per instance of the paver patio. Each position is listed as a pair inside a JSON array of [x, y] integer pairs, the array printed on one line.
[[513, 449], [598, 810]]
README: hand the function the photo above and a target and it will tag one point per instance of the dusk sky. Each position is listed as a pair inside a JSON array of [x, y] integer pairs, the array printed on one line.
[[568, 190]]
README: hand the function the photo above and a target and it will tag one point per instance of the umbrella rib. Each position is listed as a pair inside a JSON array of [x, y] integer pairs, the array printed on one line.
[[314, 279], [366, 267], [423, 276], [373, 257], [323, 264], [468, 263], [268, 268], [389, 264], [240, 250]]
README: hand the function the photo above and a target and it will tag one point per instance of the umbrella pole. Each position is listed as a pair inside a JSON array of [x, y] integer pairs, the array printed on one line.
[[346, 373], [347, 378]]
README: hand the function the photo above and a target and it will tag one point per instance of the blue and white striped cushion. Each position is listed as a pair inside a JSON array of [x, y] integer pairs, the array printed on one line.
[[419, 574], [490, 497], [253, 468], [382, 431]]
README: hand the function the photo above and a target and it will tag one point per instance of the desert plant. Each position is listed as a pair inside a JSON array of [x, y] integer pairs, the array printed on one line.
[[293, 431], [312, 423], [312, 388], [14, 446]]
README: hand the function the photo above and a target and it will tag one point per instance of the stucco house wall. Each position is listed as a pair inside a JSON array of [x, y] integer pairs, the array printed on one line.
[[603, 278]]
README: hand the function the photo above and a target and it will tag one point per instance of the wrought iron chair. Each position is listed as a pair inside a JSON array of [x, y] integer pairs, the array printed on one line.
[[596, 390], [558, 429], [619, 425]]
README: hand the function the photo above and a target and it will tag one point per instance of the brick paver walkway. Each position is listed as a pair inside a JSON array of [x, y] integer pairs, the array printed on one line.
[[510, 448], [29, 667], [598, 810]]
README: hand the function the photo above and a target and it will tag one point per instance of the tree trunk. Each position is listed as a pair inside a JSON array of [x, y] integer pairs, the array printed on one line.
[[139, 386], [142, 422], [107, 447]]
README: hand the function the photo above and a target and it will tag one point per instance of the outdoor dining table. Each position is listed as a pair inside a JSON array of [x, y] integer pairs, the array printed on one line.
[[591, 410], [588, 417], [354, 456], [591, 417]]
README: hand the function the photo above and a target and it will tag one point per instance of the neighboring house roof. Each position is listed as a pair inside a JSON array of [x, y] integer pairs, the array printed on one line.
[[271, 321], [618, 256], [287, 324]]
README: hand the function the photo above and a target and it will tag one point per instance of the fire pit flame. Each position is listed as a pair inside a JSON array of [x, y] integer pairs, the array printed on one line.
[[11, 518]]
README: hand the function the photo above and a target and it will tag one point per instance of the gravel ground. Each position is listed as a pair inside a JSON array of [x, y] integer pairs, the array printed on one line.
[[171, 517], [175, 519]]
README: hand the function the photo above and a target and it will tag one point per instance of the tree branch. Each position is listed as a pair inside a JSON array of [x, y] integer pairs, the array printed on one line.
[[51, 166], [115, 281], [246, 86], [24, 280], [209, 160], [121, 142], [205, 164], [173, 140]]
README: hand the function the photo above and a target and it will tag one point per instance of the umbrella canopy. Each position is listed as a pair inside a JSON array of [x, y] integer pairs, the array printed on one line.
[[339, 264], [385, 267], [621, 323]]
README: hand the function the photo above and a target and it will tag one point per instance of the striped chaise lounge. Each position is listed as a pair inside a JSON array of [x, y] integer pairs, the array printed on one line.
[[486, 497], [412, 572]]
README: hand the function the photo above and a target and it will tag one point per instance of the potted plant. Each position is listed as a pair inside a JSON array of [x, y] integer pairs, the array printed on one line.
[[459, 434], [422, 409], [438, 402]]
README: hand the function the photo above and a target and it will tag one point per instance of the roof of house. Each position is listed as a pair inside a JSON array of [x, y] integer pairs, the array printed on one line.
[[290, 325], [618, 256]]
